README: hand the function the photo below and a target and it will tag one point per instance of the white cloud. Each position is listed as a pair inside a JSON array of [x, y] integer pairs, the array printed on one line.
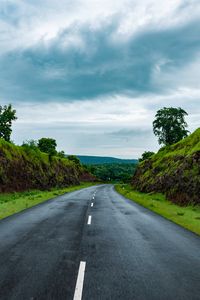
[[184, 77], [24, 23], [120, 125], [115, 124]]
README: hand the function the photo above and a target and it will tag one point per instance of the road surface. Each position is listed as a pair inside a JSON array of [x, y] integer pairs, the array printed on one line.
[[94, 244]]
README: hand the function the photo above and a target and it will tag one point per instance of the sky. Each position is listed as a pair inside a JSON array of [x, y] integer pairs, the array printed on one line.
[[93, 73]]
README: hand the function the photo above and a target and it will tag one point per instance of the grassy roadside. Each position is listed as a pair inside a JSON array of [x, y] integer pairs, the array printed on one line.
[[15, 202], [188, 217]]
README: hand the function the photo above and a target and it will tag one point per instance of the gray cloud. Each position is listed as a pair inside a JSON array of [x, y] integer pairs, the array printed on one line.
[[50, 72], [92, 74], [128, 133]]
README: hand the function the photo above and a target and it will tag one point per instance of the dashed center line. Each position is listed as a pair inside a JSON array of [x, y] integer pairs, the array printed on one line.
[[79, 283], [89, 220], [81, 272]]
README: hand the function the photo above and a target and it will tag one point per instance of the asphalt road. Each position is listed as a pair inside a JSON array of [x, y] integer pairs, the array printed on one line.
[[127, 252]]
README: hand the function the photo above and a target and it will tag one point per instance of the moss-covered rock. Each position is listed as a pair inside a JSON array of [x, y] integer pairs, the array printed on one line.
[[174, 170]]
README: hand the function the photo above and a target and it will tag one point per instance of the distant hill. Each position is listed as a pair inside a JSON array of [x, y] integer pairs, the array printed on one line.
[[174, 170], [94, 160]]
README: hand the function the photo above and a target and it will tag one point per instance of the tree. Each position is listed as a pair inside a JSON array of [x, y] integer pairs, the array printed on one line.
[[47, 145], [75, 159], [7, 116], [61, 154], [170, 125], [146, 155]]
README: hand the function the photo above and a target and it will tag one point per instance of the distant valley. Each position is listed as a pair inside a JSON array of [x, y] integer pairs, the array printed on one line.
[[94, 160]]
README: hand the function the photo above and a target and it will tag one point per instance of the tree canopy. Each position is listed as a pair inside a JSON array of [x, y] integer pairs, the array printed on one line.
[[7, 116], [47, 145], [170, 125], [75, 159], [146, 155]]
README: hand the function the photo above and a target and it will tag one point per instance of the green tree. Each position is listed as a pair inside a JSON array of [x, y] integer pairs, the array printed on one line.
[[7, 116], [47, 145], [146, 155], [75, 159], [61, 154], [170, 125]]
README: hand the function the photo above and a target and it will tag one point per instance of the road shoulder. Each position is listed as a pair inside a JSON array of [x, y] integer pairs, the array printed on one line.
[[187, 217]]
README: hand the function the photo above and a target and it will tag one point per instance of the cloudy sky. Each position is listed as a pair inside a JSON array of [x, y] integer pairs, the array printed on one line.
[[93, 73]]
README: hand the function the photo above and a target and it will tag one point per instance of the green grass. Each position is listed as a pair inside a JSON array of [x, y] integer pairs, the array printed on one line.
[[186, 146], [12, 203], [187, 216]]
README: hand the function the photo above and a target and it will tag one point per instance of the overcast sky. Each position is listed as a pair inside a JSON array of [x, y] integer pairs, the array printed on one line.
[[93, 73]]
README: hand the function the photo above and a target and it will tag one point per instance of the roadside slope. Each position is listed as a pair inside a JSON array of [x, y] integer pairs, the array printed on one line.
[[22, 168], [174, 170]]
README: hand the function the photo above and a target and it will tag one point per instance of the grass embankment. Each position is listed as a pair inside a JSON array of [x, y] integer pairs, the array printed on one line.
[[23, 168], [12, 203], [174, 171], [187, 216]]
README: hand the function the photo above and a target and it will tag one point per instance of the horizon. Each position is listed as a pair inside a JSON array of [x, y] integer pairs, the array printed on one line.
[[93, 74], [104, 156]]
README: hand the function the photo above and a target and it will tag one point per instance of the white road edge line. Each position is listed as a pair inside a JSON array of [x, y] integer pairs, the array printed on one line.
[[79, 282], [92, 204], [89, 220]]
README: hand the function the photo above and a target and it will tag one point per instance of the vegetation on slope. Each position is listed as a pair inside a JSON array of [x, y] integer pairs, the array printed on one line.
[[174, 170], [23, 168], [188, 217]]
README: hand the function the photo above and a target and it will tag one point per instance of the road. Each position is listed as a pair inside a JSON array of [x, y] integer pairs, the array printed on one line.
[[126, 251]]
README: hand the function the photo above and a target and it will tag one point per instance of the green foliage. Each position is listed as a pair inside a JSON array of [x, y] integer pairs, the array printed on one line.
[[47, 145], [61, 154], [99, 160], [74, 159], [113, 172], [174, 170], [23, 168], [170, 125], [32, 144], [146, 155], [187, 146], [7, 116]]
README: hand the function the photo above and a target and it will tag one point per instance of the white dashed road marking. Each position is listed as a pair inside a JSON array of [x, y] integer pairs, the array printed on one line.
[[79, 282], [92, 204], [89, 220]]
